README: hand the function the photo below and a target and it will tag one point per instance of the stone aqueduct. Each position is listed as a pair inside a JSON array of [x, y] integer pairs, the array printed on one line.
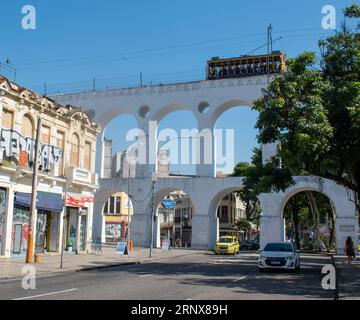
[[205, 190]]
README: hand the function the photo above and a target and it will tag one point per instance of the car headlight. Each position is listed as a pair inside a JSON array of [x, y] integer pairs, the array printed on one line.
[[262, 257], [291, 258]]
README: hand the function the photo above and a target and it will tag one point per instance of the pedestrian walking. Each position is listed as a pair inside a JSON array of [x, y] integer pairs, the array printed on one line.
[[349, 249]]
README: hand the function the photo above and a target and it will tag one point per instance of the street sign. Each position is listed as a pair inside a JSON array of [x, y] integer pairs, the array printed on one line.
[[165, 245], [168, 204], [120, 248]]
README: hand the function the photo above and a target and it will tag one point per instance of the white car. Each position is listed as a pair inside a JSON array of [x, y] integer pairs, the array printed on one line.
[[281, 255]]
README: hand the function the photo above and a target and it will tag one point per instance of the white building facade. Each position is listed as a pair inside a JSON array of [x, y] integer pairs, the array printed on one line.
[[66, 162]]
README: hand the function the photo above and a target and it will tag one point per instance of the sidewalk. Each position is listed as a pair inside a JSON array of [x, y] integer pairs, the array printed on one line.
[[12, 268], [348, 278]]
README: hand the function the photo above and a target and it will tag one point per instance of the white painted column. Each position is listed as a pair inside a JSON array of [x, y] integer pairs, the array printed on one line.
[[206, 148], [89, 224], [9, 220], [98, 222], [99, 164], [272, 227], [147, 150], [346, 227], [157, 233], [140, 229], [346, 222], [204, 231]]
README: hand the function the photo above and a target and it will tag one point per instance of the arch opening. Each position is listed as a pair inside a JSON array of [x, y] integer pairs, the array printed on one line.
[[309, 221], [237, 215], [235, 138], [174, 212], [117, 137], [175, 151]]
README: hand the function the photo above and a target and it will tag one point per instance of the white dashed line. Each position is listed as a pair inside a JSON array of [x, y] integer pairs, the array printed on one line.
[[46, 294], [241, 278]]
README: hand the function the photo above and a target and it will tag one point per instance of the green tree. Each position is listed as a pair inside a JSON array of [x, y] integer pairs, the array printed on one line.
[[243, 225], [315, 114]]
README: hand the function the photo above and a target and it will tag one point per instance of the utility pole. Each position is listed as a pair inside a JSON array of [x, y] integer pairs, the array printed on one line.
[[94, 84], [153, 180], [129, 218], [269, 50], [141, 80], [64, 218], [33, 213]]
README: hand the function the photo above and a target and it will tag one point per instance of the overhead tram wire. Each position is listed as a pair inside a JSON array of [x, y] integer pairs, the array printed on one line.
[[124, 55]]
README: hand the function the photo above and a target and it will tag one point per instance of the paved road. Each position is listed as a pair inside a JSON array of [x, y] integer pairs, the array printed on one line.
[[202, 276]]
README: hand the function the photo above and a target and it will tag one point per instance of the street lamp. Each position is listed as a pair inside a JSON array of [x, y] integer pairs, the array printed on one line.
[[129, 218], [153, 180]]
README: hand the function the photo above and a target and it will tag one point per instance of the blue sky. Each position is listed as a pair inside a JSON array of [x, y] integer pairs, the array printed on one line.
[[168, 41]]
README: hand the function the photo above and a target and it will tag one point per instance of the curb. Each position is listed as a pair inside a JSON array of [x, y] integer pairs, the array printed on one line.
[[112, 265]]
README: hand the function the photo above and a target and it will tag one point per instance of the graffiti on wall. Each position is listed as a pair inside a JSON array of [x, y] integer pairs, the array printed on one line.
[[13, 145]]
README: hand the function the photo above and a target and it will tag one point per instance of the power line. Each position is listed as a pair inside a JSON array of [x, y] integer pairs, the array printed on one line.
[[124, 55]]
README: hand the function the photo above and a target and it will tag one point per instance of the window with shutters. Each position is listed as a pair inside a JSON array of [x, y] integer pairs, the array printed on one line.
[[87, 155], [7, 119], [74, 150], [27, 127], [45, 135]]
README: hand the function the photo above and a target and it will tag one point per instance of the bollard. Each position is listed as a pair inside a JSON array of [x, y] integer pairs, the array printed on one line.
[[37, 258]]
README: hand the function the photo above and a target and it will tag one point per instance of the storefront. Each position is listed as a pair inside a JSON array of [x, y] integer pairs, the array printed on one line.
[[116, 228], [2, 220], [76, 222], [49, 205]]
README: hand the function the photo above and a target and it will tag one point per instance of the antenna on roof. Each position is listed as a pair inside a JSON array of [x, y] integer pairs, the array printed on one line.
[[9, 66]]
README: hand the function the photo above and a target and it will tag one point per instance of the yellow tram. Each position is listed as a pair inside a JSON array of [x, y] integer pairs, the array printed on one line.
[[245, 66]]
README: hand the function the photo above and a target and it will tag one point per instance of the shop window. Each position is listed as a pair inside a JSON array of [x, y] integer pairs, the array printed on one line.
[[112, 205], [7, 119], [118, 204]]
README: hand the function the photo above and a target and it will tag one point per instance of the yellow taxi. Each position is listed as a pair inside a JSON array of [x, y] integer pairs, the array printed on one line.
[[227, 245]]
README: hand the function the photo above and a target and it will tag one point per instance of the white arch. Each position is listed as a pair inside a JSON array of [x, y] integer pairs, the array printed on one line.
[[219, 110]]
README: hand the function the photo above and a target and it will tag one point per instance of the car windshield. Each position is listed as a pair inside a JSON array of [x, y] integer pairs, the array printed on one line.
[[225, 240], [287, 247]]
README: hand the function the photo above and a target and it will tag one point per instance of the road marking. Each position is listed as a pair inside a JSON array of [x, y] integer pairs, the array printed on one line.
[[145, 275], [46, 294], [188, 299], [241, 278]]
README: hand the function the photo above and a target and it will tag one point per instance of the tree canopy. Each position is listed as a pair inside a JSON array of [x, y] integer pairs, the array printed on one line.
[[313, 110]]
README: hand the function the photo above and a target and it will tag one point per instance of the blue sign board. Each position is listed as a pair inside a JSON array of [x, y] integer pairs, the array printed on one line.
[[168, 204], [120, 248]]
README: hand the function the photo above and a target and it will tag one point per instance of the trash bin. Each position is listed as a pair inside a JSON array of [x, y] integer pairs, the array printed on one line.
[[69, 246]]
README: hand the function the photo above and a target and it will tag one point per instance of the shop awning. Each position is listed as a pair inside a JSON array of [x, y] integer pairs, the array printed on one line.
[[44, 201]]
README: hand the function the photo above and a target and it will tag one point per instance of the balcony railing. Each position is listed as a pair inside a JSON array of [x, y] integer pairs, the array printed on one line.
[[81, 175]]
